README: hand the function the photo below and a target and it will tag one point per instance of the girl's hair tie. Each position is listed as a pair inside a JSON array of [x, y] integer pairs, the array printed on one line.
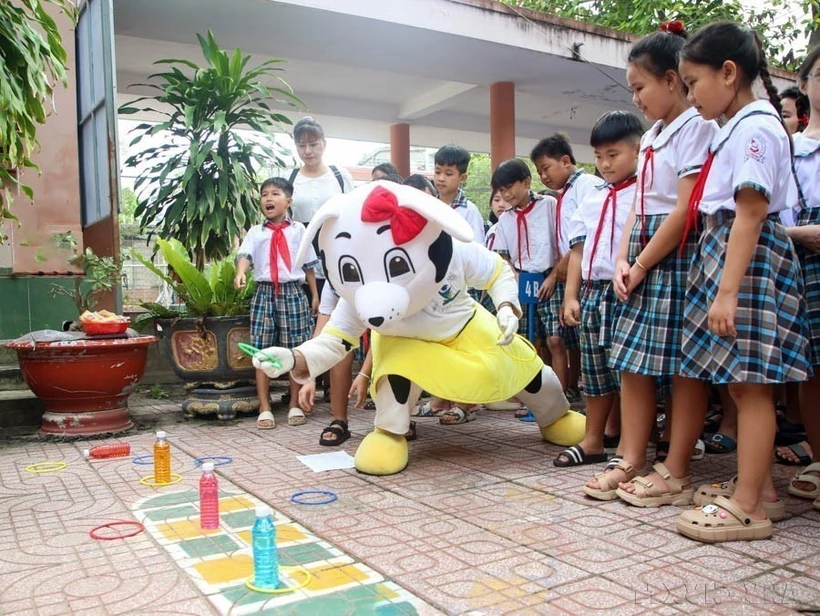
[[674, 27]]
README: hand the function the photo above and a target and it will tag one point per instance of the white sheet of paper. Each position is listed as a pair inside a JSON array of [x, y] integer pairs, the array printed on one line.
[[327, 461]]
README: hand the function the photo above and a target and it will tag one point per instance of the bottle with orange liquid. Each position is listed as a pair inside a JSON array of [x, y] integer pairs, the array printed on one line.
[[162, 459]]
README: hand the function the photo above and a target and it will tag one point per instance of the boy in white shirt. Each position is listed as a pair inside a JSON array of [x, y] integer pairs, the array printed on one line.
[[555, 164], [280, 313], [451, 172], [595, 234]]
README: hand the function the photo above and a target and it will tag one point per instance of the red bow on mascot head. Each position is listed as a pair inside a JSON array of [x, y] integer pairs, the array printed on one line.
[[382, 205]]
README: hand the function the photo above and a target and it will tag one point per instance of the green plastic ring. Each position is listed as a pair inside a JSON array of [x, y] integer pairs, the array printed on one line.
[[252, 350]]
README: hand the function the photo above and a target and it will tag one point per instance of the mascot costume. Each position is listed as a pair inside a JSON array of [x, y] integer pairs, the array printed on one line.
[[401, 262]]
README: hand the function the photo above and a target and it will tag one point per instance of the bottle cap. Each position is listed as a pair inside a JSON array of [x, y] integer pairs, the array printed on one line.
[[208, 467], [161, 434], [87, 453], [263, 511]]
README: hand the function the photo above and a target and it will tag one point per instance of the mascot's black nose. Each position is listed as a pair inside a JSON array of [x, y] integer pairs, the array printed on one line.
[[376, 321]]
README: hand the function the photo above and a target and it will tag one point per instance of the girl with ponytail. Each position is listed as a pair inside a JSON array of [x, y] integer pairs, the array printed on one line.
[[744, 315]]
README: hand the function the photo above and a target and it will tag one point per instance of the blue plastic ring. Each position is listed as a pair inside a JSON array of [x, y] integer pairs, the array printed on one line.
[[332, 496], [217, 460], [141, 460]]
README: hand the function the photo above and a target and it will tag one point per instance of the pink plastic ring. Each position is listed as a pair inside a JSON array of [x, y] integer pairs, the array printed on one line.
[[139, 528]]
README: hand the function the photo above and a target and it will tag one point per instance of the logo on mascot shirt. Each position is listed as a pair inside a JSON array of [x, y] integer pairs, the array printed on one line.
[[448, 293]]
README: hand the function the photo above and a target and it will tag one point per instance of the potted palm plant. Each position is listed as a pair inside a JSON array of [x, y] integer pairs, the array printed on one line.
[[197, 191]]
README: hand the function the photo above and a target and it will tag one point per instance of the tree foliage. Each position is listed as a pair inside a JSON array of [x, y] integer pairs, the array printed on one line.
[[641, 17], [32, 62]]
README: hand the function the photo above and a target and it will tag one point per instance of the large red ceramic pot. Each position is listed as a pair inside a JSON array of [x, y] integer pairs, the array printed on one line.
[[84, 384]]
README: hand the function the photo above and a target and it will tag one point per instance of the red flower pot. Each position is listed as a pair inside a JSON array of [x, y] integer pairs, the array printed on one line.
[[84, 384]]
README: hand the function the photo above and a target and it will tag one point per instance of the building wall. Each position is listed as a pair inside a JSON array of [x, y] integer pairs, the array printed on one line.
[[32, 261]]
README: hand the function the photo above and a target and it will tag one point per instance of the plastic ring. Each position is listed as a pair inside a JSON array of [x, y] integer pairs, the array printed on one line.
[[279, 591], [139, 528], [332, 496], [149, 481], [217, 460], [252, 350], [141, 460], [45, 467]]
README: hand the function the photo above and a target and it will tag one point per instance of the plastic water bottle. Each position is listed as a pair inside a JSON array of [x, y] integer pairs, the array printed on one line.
[[162, 459], [113, 450], [265, 555], [208, 498]]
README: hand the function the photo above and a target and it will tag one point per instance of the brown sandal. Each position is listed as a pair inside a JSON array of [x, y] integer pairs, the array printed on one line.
[[647, 494], [722, 521], [606, 485]]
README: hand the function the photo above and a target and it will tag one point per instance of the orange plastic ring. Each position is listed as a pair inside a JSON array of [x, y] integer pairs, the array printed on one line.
[[139, 528]]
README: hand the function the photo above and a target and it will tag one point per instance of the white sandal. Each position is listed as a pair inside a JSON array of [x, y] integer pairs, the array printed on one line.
[[265, 416], [296, 417]]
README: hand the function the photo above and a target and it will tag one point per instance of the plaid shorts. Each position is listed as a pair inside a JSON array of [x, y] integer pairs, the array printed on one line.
[[549, 312], [283, 320], [810, 263], [772, 332], [597, 303], [647, 333], [487, 302], [523, 323]]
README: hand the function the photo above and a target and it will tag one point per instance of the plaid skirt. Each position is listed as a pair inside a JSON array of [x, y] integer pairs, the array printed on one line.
[[646, 337], [772, 333], [549, 312], [283, 320], [810, 264], [597, 313]]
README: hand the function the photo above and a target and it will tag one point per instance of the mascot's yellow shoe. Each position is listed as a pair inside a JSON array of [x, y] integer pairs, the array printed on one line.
[[567, 431], [381, 453]]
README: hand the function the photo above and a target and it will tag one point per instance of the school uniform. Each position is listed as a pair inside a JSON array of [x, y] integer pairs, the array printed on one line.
[[571, 195], [646, 338], [489, 241], [525, 235], [469, 212], [598, 224], [771, 346], [280, 312], [807, 171]]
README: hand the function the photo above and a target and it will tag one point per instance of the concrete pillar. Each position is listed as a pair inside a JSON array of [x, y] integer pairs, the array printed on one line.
[[400, 148], [502, 122]]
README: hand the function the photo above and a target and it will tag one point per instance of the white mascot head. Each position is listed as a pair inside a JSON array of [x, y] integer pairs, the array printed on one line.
[[385, 249]]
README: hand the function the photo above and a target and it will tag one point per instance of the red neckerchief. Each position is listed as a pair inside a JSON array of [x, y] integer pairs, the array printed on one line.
[[612, 197], [563, 192], [649, 160], [278, 246], [695, 198], [521, 225]]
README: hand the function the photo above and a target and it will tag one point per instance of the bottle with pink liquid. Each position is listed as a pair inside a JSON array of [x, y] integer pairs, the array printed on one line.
[[208, 498]]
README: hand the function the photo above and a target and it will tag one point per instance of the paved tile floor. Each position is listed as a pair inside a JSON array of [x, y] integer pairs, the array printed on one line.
[[479, 523]]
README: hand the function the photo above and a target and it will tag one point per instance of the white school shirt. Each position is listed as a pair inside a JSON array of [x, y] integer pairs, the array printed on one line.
[[472, 266], [751, 151], [584, 226], [576, 189], [539, 254], [489, 237], [678, 150], [309, 194], [469, 212], [256, 248], [807, 169]]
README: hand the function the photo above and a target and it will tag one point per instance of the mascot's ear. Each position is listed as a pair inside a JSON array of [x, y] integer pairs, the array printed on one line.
[[329, 210], [433, 210]]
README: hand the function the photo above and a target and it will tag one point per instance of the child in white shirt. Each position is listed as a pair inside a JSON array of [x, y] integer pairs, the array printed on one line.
[[280, 313]]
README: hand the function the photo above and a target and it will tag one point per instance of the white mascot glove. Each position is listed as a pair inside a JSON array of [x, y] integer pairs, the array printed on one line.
[[285, 358], [508, 324]]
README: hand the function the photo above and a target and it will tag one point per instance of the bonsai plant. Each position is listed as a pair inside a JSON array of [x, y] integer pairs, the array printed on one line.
[[84, 382], [32, 61], [101, 276], [199, 186]]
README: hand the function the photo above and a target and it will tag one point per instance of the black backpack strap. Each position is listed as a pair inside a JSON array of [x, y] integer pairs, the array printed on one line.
[[339, 177], [293, 175]]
